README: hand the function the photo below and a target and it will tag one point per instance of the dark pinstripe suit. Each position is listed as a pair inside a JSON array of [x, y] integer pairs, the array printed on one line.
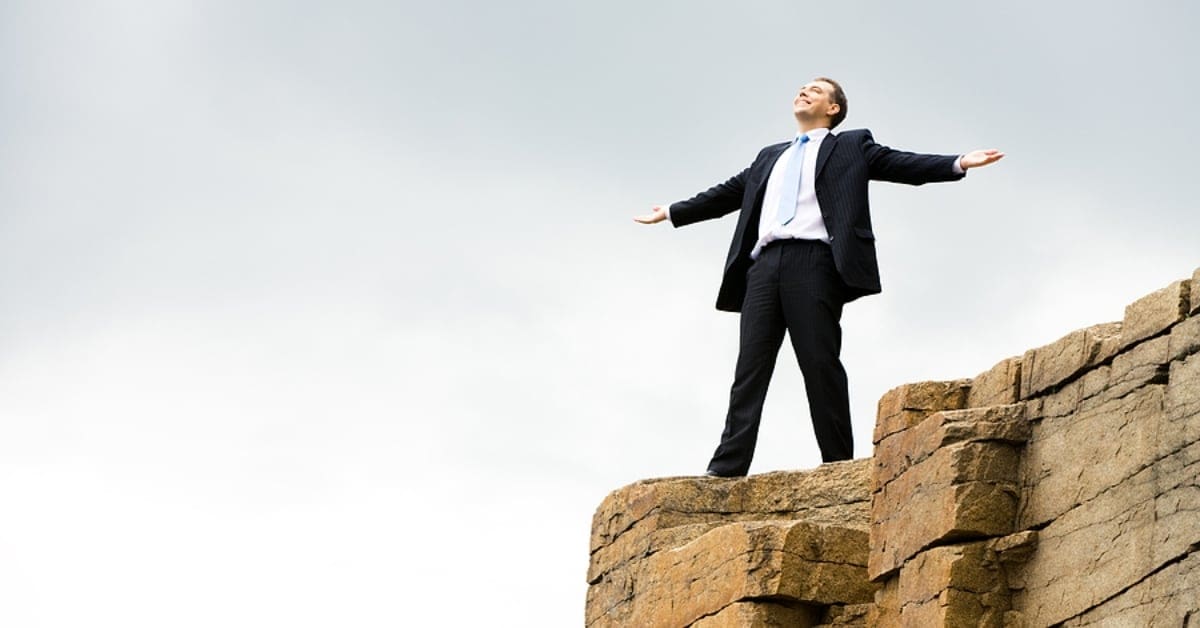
[[801, 286]]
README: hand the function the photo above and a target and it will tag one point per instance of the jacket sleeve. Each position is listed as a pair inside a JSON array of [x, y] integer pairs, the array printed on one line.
[[717, 201], [897, 166]]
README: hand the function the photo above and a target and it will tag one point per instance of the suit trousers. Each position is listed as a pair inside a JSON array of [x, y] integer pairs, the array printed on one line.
[[793, 286]]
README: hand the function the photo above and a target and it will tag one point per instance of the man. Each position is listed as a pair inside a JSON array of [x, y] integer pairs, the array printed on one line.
[[803, 247]]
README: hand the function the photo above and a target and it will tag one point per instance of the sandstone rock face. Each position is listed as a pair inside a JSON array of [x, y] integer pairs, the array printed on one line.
[[905, 406], [1155, 312], [998, 386], [1194, 293], [1058, 488], [802, 563], [964, 491], [646, 517], [1046, 367], [784, 547], [1104, 476]]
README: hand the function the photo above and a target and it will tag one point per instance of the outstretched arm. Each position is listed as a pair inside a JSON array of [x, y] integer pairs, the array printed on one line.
[[900, 166], [897, 166], [714, 202]]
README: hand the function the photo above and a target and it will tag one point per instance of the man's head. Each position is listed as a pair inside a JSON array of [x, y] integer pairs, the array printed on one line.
[[821, 100]]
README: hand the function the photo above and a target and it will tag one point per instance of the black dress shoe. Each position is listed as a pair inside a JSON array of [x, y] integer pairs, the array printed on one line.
[[713, 474]]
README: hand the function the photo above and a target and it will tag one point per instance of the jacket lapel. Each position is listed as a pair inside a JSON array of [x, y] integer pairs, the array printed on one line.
[[761, 171], [768, 164], [746, 231], [823, 155]]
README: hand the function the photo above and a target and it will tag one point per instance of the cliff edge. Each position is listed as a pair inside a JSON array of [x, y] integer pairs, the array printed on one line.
[[1060, 487]]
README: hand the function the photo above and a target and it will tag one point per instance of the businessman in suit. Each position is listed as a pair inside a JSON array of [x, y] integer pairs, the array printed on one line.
[[803, 247]]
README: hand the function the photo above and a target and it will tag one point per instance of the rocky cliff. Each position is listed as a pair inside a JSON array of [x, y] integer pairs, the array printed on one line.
[[1061, 487]]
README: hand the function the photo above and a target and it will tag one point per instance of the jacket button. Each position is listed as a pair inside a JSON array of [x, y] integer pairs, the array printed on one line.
[[831, 238]]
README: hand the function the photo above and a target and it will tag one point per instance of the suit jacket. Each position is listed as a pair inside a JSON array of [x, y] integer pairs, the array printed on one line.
[[845, 163]]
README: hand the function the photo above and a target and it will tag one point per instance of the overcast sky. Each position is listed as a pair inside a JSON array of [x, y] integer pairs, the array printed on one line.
[[333, 314]]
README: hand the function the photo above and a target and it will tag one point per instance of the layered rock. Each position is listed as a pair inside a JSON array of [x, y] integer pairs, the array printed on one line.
[[1060, 487], [950, 477], [784, 548]]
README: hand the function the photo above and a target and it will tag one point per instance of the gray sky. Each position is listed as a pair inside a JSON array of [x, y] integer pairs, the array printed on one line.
[[333, 314]]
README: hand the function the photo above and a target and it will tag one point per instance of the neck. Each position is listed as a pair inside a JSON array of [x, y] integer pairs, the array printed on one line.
[[807, 124]]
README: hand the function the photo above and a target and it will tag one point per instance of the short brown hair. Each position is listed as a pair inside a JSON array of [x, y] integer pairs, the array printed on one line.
[[839, 98]]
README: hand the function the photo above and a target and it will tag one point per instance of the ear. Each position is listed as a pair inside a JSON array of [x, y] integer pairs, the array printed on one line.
[[833, 110]]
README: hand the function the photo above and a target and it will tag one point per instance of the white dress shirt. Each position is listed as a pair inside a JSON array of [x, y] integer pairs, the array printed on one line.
[[808, 224]]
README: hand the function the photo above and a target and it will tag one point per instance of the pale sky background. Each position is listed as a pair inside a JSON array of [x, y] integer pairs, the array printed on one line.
[[333, 314]]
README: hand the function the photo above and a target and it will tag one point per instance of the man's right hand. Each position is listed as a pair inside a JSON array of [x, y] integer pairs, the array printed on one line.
[[658, 213]]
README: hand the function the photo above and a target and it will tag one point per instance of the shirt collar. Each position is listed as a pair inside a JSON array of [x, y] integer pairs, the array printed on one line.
[[814, 134]]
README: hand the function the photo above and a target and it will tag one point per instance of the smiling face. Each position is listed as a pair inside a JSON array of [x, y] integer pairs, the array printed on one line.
[[817, 104]]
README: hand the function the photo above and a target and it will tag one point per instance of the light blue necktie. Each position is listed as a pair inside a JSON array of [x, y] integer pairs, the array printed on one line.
[[791, 182]]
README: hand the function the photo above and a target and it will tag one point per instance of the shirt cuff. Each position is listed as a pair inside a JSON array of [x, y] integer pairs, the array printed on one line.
[[667, 211], [958, 169]]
